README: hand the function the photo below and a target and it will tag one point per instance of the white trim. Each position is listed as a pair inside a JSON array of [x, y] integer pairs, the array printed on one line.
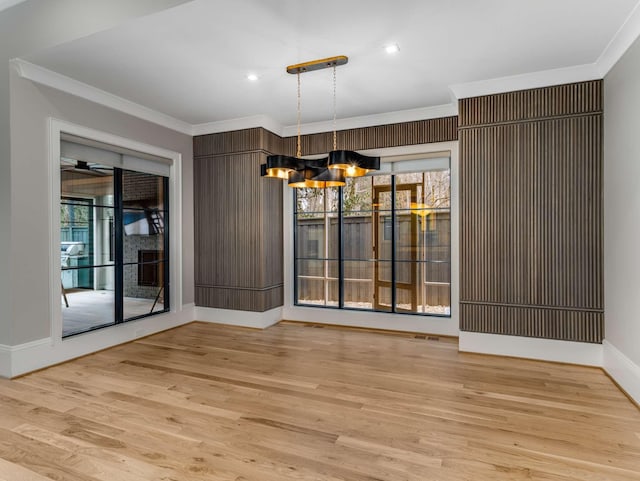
[[440, 149], [258, 320], [628, 32], [45, 352], [238, 124], [622, 369], [379, 320], [372, 320], [274, 126], [52, 79], [49, 78], [385, 118], [5, 361], [8, 353], [582, 353], [620, 43], [56, 128], [543, 78]]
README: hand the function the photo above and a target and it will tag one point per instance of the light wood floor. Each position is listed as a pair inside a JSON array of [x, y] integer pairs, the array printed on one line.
[[208, 402]]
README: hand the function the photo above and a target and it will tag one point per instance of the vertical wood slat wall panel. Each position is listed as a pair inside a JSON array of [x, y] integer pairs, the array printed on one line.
[[531, 213], [237, 141], [238, 214], [392, 135], [558, 100], [238, 222]]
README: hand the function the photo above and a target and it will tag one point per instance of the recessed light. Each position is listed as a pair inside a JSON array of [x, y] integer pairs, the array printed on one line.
[[392, 48], [252, 77]]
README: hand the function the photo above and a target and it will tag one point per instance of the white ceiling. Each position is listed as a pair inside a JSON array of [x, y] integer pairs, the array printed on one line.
[[190, 62]]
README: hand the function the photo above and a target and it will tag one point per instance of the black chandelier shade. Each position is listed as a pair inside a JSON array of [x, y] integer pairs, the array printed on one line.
[[319, 173], [352, 163], [316, 175], [280, 166]]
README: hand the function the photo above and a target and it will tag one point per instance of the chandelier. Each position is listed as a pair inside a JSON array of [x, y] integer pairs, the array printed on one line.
[[329, 171]]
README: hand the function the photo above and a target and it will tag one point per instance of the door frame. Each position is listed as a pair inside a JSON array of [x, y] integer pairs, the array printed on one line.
[[57, 128], [393, 284]]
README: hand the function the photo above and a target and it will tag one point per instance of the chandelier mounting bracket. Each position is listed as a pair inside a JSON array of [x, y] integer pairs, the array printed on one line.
[[317, 64]]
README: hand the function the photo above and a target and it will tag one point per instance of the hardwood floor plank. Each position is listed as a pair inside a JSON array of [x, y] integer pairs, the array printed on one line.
[[14, 472], [206, 402]]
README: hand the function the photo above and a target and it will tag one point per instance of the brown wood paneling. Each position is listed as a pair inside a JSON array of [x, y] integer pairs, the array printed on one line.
[[237, 141], [241, 299], [532, 321], [531, 214], [556, 101], [392, 135], [238, 214], [238, 222]]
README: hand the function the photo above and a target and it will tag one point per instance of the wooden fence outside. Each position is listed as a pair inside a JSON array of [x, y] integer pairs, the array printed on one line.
[[428, 255]]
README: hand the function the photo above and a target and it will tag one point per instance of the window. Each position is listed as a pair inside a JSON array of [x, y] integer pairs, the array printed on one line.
[[381, 242], [114, 240]]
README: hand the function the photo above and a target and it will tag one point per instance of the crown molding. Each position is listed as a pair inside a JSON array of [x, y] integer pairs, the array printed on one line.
[[49, 78], [619, 44], [628, 32], [263, 121], [544, 78], [385, 118], [326, 126]]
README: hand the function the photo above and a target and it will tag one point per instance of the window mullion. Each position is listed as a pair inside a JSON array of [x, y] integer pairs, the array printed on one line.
[[296, 252], [325, 270], [167, 252], [393, 243], [119, 247], [340, 250]]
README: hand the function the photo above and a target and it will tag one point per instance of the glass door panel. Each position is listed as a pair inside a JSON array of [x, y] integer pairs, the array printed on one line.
[[114, 245]]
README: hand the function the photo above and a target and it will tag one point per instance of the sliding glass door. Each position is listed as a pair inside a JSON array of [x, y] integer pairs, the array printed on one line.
[[114, 245]]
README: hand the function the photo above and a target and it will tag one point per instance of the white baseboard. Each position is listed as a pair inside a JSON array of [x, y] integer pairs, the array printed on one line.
[[622, 369], [5, 360], [582, 353], [443, 326], [24, 358], [258, 320]]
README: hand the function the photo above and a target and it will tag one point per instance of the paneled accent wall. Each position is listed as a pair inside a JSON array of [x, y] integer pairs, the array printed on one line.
[[392, 135], [531, 213], [238, 222], [238, 214]]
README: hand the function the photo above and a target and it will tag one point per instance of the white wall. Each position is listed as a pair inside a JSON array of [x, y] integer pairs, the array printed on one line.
[[26, 28], [622, 220], [31, 107]]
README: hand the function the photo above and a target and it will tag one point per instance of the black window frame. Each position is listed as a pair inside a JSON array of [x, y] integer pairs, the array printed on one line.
[[341, 277], [116, 253]]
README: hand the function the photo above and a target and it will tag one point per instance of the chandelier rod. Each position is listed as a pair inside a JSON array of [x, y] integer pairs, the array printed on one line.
[[299, 148], [335, 143]]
